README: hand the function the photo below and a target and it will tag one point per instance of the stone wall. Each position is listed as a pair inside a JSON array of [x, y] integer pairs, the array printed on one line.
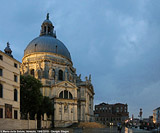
[[11, 124], [46, 124]]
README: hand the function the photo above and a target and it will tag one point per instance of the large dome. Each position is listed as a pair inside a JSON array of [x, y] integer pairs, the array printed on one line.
[[47, 43]]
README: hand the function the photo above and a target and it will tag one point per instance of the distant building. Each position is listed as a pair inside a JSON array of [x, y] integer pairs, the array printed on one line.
[[151, 119], [111, 113], [148, 120], [9, 85], [135, 121], [156, 115]]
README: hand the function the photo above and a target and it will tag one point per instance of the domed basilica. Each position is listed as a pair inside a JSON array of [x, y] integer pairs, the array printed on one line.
[[48, 59]]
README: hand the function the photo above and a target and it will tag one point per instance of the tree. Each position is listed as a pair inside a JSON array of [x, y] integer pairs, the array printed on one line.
[[30, 95], [31, 98], [46, 106]]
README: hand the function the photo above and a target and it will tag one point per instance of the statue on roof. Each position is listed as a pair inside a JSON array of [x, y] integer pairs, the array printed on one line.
[[48, 16], [7, 50], [8, 44], [90, 77]]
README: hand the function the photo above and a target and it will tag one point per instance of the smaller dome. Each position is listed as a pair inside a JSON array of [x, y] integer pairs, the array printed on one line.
[[47, 21]]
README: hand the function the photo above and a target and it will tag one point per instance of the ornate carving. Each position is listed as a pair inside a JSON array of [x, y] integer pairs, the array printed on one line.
[[22, 69], [26, 70], [38, 72], [90, 77], [65, 107], [48, 59], [86, 78], [51, 73], [66, 74], [70, 77]]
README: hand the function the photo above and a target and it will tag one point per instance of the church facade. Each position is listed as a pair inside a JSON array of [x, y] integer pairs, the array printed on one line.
[[48, 59]]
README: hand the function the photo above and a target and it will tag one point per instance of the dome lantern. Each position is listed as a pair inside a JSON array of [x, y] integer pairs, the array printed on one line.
[[47, 42], [47, 28]]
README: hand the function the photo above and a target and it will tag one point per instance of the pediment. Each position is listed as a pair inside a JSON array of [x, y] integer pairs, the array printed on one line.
[[66, 84]]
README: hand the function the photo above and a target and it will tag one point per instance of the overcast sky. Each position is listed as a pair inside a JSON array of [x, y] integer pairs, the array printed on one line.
[[117, 42]]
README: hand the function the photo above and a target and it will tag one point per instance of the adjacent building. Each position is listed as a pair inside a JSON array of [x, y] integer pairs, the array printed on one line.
[[47, 59], [156, 115], [9, 85], [111, 113]]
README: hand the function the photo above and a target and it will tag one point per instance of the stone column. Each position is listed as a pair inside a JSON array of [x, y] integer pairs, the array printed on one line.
[[35, 117], [56, 75], [46, 29], [73, 113], [61, 112], [28, 121], [41, 121], [66, 75]]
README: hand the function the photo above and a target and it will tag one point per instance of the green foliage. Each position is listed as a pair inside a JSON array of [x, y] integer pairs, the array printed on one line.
[[47, 106], [31, 99]]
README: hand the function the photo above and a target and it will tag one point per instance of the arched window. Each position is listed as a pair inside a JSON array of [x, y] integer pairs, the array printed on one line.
[[15, 95], [32, 72], [44, 29], [65, 94], [70, 96], [61, 94], [1, 57], [1, 72], [48, 29], [1, 91], [60, 75]]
